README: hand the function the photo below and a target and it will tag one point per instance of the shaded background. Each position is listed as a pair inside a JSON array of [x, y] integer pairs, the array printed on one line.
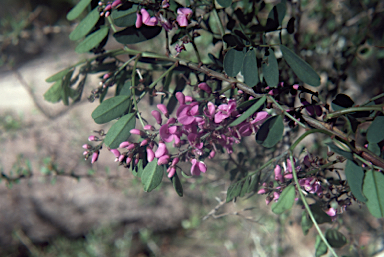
[[101, 210]]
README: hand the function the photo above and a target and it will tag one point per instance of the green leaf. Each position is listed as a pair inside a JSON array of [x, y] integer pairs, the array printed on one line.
[[337, 150], [125, 18], [133, 35], [233, 61], [271, 70], [302, 69], [374, 191], [306, 222], [335, 238], [286, 200], [245, 186], [66, 90], [77, 10], [249, 71], [374, 148], [152, 175], [375, 132], [54, 93], [254, 186], [279, 10], [126, 89], [177, 185], [355, 176], [111, 109], [224, 3], [234, 190], [58, 76], [249, 112], [119, 131], [320, 246], [319, 215], [86, 25], [92, 40], [271, 132]]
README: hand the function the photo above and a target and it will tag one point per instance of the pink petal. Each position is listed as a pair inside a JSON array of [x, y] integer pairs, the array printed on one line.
[[180, 97], [145, 15], [184, 11], [182, 20], [171, 172], [151, 22], [139, 20], [157, 116], [161, 150], [163, 109], [150, 154], [163, 160]]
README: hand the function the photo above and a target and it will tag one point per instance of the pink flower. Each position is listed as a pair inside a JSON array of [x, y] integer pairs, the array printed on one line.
[[139, 20], [185, 113], [150, 154], [124, 144], [116, 3], [198, 167], [225, 111], [163, 109], [95, 156], [183, 15], [115, 152], [92, 138], [331, 212], [278, 176], [194, 141], [204, 86], [163, 160], [147, 19], [167, 133], [157, 116], [171, 171], [180, 97], [161, 150], [210, 110]]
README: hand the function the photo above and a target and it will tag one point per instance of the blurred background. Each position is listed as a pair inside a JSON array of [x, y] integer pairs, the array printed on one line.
[[53, 203]]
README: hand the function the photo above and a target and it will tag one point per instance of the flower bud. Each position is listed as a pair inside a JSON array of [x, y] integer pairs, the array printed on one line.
[[163, 109], [124, 144], [144, 142], [157, 116], [204, 86], [95, 156], [175, 161], [163, 160], [137, 132], [92, 138], [150, 154], [171, 171], [86, 146], [149, 127], [180, 97], [115, 152]]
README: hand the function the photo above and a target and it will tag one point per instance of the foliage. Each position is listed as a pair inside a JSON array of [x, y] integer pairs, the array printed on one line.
[[223, 108]]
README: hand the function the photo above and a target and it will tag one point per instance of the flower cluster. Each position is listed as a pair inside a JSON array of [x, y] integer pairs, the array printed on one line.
[[198, 131], [107, 8], [183, 17]]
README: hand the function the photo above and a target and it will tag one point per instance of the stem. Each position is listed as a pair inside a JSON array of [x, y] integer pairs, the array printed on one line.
[[308, 209], [354, 109], [133, 90], [308, 132], [285, 112], [111, 24]]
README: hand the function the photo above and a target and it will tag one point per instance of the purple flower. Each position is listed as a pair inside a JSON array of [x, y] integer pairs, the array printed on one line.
[[163, 109], [157, 116], [185, 113], [167, 133], [194, 141], [198, 167], [331, 212], [183, 15], [95, 156], [147, 19], [161, 150], [210, 110], [171, 171], [204, 86], [225, 111], [163, 160], [150, 154], [278, 176]]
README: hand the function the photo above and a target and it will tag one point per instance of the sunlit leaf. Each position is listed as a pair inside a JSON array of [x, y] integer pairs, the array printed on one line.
[[120, 131], [355, 176], [302, 69], [271, 70], [335, 238], [77, 10], [375, 132], [111, 109], [152, 175], [86, 25], [54, 93], [92, 40], [374, 191], [58, 76], [271, 132], [177, 185], [249, 71], [286, 200], [233, 61], [249, 112], [133, 35], [320, 246]]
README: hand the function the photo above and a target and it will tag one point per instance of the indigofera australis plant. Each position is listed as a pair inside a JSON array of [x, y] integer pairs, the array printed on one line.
[[205, 109]]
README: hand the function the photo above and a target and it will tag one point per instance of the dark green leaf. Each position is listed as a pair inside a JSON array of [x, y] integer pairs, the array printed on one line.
[[306, 222], [291, 25], [54, 93], [126, 89], [177, 185], [355, 176], [374, 148], [234, 190], [225, 3], [86, 25], [271, 70], [286, 200], [278, 12], [111, 109], [125, 18], [337, 150], [249, 112], [92, 40], [245, 187], [233, 61], [302, 69], [77, 10], [249, 71], [341, 102], [119, 131], [335, 238], [375, 132], [233, 40], [133, 35], [254, 186], [319, 215], [374, 191], [152, 175], [58, 76], [271, 132], [66, 92], [140, 167], [320, 246]]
